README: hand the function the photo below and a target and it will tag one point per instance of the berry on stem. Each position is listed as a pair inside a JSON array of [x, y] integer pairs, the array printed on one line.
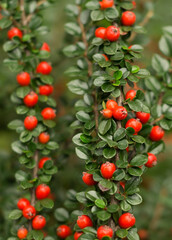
[[127, 220], [111, 104], [38, 222], [44, 137], [106, 4], [88, 179], [29, 212], [107, 170], [112, 33], [107, 113], [22, 203], [64, 231], [106, 58], [84, 221], [128, 18], [144, 117], [156, 134], [130, 94], [30, 122], [42, 191], [48, 113], [44, 68], [46, 90], [15, 32], [104, 231], [42, 161], [77, 235], [120, 113], [135, 124], [152, 160], [22, 233], [31, 99], [23, 78], [45, 47], [100, 32]]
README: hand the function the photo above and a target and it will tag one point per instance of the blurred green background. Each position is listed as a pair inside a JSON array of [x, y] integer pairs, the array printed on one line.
[[154, 215]]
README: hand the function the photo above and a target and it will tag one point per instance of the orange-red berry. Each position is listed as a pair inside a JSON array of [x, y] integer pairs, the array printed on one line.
[[107, 170]]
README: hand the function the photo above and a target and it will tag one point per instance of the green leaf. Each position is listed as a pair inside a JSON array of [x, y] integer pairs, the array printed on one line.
[[111, 49], [122, 233], [135, 171], [72, 28], [160, 64], [21, 92], [82, 153], [93, 195], [97, 15], [139, 160], [112, 208], [157, 147], [134, 199], [137, 106], [103, 215], [15, 124], [123, 144], [47, 79], [47, 203], [100, 203], [109, 153], [119, 134], [138, 139], [15, 214], [52, 145], [119, 174], [106, 184], [5, 23], [61, 214], [125, 206], [132, 235], [104, 126], [83, 116], [111, 13], [92, 5], [78, 87], [165, 45]]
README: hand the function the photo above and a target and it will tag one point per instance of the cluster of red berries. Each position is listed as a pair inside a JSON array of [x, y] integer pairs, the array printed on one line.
[[113, 110]]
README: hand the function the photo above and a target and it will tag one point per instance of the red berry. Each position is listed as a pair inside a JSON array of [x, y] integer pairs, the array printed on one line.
[[107, 113], [22, 233], [48, 113], [112, 33], [84, 221], [106, 4], [100, 32], [42, 191], [127, 220], [127, 149], [38, 222], [152, 160], [23, 79], [30, 122], [44, 137], [45, 47], [111, 104], [130, 94], [144, 117], [42, 161], [104, 231], [157, 133], [135, 124], [46, 90], [122, 184], [29, 212], [134, 4], [107, 170], [44, 68], [15, 32], [106, 58], [31, 99], [120, 113], [63, 231], [77, 235], [88, 179], [128, 18], [22, 203], [143, 234]]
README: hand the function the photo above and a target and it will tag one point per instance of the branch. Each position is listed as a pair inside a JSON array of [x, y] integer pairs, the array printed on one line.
[[157, 120]]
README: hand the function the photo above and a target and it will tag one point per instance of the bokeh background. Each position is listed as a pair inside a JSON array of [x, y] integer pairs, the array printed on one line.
[[154, 216]]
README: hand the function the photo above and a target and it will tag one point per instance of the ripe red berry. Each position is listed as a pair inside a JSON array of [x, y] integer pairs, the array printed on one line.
[[29, 212], [15, 32], [42, 161], [46, 90], [127, 149], [106, 4], [48, 113], [152, 160], [42, 191], [84, 221], [104, 231], [31, 99], [128, 18], [134, 4], [63, 231], [112, 33], [106, 58], [135, 124], [44, 137], [38, 222], [127, 220], [122, 184], [107, 170], [111, 104], [120, 113], [23, 79], [100, 32], [157, 133], [22, 233], [130, 94], [144, 117], [77, 235], [143, 234], [107, 113], [88, 179], [45, 47], [22, 203], [30, 122], [44, 68]]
